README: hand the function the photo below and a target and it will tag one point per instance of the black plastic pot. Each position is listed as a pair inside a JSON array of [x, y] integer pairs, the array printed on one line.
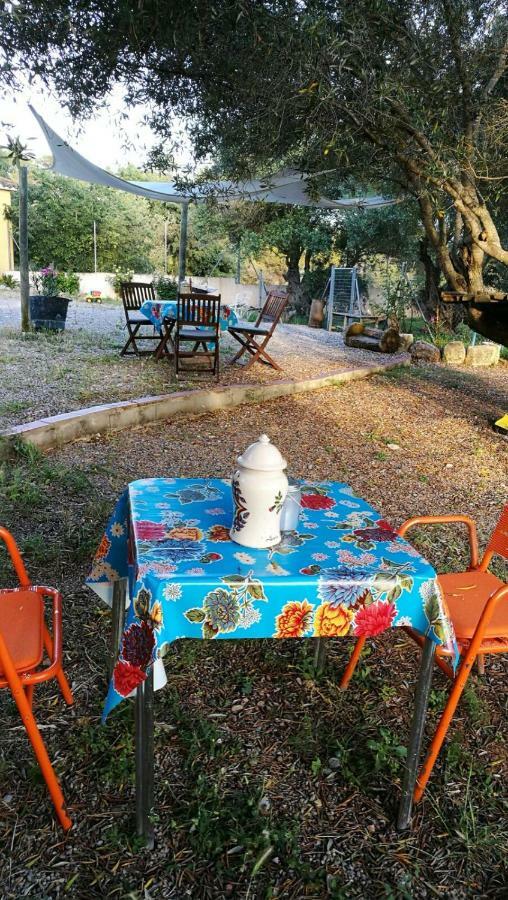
[[48, 312]]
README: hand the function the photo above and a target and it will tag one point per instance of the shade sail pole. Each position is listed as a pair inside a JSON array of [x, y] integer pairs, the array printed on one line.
[[182, 250], [24, 277]]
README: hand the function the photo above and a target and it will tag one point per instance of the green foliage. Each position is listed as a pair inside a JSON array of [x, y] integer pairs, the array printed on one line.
[[165, 287], [118, 278], [392, 231], [60, 225], [8, 281], [67, 283], [404, 98]]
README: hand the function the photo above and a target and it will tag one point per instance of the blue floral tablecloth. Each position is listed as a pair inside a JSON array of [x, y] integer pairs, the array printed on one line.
[[345, 572], [156, 310]]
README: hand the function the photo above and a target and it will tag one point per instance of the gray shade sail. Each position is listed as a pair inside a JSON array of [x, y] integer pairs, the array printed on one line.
[[287, 188]]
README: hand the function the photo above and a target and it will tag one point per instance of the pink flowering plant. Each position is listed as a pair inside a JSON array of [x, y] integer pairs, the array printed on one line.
[[46, 282]]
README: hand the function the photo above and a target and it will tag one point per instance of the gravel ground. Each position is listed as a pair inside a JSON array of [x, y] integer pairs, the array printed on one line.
[[44, 375], [304, 779]]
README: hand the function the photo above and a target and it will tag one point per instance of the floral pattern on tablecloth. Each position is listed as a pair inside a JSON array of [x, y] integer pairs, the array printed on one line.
[[344, 572], [157, 310]]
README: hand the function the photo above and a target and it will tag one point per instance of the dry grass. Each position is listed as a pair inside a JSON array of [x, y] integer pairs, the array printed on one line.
[[231, 785]]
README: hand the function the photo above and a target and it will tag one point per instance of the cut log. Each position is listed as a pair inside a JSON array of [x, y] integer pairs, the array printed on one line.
[[387, 341], [360, 342], [355, 328]]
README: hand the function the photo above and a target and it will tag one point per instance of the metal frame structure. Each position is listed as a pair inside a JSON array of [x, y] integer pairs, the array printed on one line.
[[349, 307]]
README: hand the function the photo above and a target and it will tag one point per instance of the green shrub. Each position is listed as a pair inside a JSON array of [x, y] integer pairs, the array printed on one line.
[[166, 287], [8, 281], [67, 283], [118, 277]]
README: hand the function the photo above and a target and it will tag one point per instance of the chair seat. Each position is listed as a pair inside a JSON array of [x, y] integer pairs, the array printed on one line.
[[139, 320], [249, 328], [21, 626], [466, 594], [200, 333]]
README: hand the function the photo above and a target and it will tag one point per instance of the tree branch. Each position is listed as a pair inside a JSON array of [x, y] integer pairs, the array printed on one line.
[[498, 71]]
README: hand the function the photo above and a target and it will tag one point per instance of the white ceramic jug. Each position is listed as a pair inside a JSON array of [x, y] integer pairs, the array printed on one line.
[[259, 490]]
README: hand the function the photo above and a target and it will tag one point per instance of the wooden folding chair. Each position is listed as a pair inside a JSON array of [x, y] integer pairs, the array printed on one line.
[[480, 620], [264, 326], [134, 294], [24, 637], [197, 322]]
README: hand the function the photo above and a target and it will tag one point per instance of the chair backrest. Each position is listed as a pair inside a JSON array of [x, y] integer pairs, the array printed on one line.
[[275, 305], [498, 544], [198, 309], [134, 293]]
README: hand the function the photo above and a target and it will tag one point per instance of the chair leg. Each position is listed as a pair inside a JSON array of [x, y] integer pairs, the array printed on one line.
[[242, 350], [444, 723], [34, 736], [480, 663], [60, 675], [131, 340], [29, 692], [353, 662]]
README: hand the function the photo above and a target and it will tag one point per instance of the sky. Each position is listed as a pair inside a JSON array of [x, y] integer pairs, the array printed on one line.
[[107, 140]]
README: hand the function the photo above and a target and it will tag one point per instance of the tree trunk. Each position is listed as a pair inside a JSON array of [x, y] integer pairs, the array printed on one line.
[[292, 276], [450, 315]]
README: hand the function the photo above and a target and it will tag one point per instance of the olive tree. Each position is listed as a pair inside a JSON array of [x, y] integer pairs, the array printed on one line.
[[409, 95]]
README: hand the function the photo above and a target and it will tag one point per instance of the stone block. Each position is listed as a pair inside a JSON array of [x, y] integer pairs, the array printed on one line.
[[483, 355], [454, 353]]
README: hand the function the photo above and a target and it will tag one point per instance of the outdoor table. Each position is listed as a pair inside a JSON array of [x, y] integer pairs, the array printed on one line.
[[158, 310], [170, 570]]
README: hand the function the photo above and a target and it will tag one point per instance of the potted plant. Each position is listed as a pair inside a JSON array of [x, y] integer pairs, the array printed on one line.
[[48, 310]]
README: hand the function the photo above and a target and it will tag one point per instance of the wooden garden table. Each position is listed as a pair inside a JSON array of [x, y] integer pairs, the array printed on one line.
[[167, 566]]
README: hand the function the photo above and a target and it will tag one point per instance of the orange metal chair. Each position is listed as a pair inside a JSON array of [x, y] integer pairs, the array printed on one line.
[[23, 638], [480, 619]]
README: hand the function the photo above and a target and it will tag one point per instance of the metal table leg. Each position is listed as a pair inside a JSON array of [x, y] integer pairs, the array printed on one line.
[[319, 655], [118, 619], [417, 728], [144, 760]]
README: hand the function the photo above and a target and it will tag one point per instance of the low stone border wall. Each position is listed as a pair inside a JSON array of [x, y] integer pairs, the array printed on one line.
[[81, 423]]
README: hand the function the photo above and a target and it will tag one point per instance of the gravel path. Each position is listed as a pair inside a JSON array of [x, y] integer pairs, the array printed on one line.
[[48, 374]]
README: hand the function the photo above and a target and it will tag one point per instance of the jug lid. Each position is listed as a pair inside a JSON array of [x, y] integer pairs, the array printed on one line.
[[262, 455]]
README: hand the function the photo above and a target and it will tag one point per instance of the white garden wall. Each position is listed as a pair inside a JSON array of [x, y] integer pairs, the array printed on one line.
[[230, 291]]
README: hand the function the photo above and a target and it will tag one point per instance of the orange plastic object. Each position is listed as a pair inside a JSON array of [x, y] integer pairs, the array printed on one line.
[[467, 594], [21, 626], [478, 607], [23, 639]]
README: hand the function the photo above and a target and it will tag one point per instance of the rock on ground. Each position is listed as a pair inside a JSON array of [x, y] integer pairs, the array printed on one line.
[[423, 351]]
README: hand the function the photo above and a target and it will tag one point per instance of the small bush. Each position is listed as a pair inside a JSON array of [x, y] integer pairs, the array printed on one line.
[[67, 283], [166, 287], [118, 278], [8, 281]]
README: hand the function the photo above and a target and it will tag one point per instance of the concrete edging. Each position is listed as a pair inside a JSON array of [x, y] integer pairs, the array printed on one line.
[[81, 423]]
